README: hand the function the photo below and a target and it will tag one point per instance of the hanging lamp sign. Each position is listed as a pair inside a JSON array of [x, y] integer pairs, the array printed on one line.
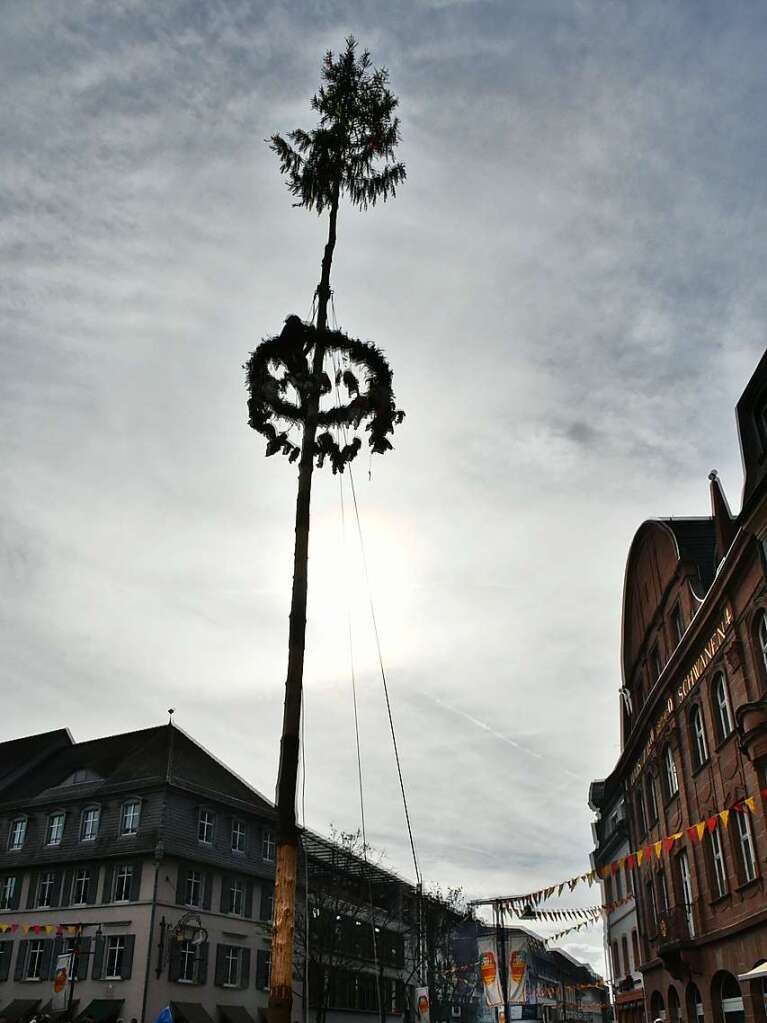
[[488, 971]]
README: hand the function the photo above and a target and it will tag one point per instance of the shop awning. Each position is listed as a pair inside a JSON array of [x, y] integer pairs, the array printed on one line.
[[235, 1014], [101, 1010], [47, 1009], [190, 1012], [19, 1008], [758, 973]]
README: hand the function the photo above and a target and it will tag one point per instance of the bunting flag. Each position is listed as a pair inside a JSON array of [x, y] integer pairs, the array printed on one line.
[[57, 929]]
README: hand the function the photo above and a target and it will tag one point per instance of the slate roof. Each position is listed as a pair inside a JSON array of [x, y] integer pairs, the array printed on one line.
[[17, 756], [696, 540]]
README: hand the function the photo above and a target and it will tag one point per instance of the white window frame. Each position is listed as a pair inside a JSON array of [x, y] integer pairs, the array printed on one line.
[[68, 948], [47, 881], [88, 833], [723, 707], [115, 947], [761, 632], [686, 886], [205, 827], [187, 951], [232, 958], [7, 891], [699, 735], [54, 829], [238, 836], [672, 779], [124, 877], [653, 906], [746, 847], [720, 867], [35, 953], [236, 887], [652, 802], [268, 846], [17, 833], [130, 817], [193, 877], [82, 877]]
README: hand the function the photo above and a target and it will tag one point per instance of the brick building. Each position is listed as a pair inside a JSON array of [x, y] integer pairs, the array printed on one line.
[[694, 744], [165, 858]]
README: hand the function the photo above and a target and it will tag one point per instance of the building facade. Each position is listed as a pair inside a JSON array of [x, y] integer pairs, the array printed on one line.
[[621, 930], [163, 860], [694, 746]]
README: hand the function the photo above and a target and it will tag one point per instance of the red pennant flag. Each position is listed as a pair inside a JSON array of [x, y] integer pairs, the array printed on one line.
[[692, 834], [668, 844], [648, 853], [711, 823], [614, 867], [631, 861]]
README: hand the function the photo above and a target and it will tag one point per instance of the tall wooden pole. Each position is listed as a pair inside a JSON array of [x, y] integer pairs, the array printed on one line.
[[281, 986]]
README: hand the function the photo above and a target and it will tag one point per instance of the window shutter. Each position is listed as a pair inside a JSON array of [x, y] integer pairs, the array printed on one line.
[[174, 958], [181, 885], [6, 948], [244, 967], [58, 947], [262, 969], [267, 892], [248, 907], [93, 883], [45, 962], [98, 958], [14, 903], [135, 884], [21, 961], [207, 879], [106, 891], [225, 899], [66, 887], [83, 958], [219, 977], [32, 891], [202, 963], [130, 941]]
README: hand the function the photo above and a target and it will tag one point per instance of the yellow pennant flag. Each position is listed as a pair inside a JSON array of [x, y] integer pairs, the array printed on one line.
[[749, 801], [700, 827], [724, 817], [639, 856], [658, 847]]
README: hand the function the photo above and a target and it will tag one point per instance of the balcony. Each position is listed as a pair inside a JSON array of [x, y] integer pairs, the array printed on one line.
[[675, 941]]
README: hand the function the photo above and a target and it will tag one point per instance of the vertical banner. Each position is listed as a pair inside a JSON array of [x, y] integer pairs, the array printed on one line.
[[517, 975], [488, 971], [422, 1004], [61, 982]]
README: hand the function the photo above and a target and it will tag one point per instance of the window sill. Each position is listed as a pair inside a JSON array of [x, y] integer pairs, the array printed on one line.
[[748, 884], [724, 742], [112, 978], [33, 980], [667, 803], [696, 770]]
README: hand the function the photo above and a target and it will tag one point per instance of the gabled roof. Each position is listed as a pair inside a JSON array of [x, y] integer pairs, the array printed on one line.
[[696, 542], [164, 753], [17, 756]]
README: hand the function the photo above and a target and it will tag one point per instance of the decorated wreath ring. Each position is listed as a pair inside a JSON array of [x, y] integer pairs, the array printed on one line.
[[280, 380]]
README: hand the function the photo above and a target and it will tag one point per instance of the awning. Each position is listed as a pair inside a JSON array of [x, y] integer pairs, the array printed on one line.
[[758, 973], [190, 1012], [101, 1010], [47, 1010], [19, 1008], [235, 1014]]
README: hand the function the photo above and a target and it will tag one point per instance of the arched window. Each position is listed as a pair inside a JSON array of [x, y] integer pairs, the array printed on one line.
[[699, 746], [635, 948], [730, 998], [673, 1005], [626, 960], [761, 636], [685, 887], [745, 846], [657, 1006], [640, 814], [672, 781], [652, 804], [616, 962], [694, 1004], [722, 707]]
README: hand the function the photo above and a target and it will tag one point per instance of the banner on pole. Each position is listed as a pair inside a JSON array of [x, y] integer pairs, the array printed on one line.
[[62, 981], [488, 971], [422, 1004], [517, 975]]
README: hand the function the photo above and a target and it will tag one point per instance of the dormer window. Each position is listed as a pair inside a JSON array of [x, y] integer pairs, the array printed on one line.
[[55, 829], [238, 836], [18, 833], [130, 816], [205, 824], [89, 824]]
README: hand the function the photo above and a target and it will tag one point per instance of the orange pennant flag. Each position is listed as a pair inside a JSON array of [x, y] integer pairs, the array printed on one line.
[[640, 856], [724, 816], [700, 827]]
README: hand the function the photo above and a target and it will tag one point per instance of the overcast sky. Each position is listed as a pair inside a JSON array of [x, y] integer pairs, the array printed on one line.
[[570, 288]]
